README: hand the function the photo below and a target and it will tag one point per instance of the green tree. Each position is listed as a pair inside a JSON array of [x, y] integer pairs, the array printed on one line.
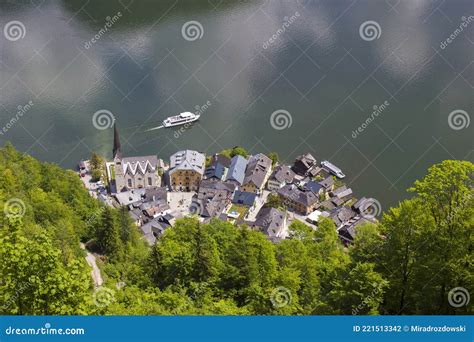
[[237, 150], [108, 234], [274, 157], [274, 201], [35, 280]]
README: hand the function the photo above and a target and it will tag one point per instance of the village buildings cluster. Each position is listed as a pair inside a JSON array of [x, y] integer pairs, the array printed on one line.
[[235, 189]]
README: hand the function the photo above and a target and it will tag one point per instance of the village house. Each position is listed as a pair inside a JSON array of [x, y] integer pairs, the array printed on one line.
[[348, 231], [340, 215], [300, 200], [214, 197], [281, 176], [303, 164], [341, 195], [315, 187], [244, 198], [236, 172], [257, 173], [134, 172], [271, 222], [156, 227], [219, 166], [186, 170], [328, 183]]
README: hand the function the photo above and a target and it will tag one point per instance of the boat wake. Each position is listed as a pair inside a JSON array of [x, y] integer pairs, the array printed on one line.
[[154, 128]]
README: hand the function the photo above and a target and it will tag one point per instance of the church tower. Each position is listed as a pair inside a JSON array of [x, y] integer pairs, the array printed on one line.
[[117, 155]]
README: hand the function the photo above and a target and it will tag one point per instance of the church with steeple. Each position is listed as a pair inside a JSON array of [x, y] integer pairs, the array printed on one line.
[[133, 172]]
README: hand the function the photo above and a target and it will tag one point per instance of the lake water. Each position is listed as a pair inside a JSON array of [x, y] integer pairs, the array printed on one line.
[[311, 63]]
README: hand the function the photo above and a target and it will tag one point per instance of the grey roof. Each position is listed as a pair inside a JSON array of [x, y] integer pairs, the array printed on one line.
[[348, 231], [153, 229], [327, 182], [245, 198], [342, 192], [156, 193], [315, 170], [142, 164], [313, 186], [214, 197], [237, 169], [303, 163], [215, 171], [342, 215], [257, 169], [283, 174], [220, 159], [187, 160], [271, 220], [359, 203], [328, 205], [305, 197], [131, 196]]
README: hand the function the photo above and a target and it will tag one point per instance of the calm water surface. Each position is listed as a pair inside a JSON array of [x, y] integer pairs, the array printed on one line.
[[246, 66]]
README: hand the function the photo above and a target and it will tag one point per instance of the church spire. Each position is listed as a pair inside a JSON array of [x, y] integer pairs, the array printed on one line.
[[117, 153]]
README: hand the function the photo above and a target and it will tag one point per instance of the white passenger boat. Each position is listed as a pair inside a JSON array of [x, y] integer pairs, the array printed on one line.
[[333, 169], [180, 119]]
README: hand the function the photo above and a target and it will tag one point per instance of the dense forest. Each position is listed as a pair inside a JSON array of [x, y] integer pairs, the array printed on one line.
[[408, 263]]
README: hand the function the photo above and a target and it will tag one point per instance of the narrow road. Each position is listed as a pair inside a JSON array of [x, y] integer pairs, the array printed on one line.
[[95, 273]]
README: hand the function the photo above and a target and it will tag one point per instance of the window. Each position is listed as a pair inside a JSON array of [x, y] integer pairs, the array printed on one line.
[[129, 183], [149, 181]]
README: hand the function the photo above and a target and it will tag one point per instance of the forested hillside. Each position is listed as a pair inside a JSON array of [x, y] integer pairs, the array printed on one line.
[[409, 263]]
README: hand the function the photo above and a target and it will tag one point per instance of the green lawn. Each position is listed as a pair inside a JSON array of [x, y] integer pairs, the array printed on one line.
[[241, 209]]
